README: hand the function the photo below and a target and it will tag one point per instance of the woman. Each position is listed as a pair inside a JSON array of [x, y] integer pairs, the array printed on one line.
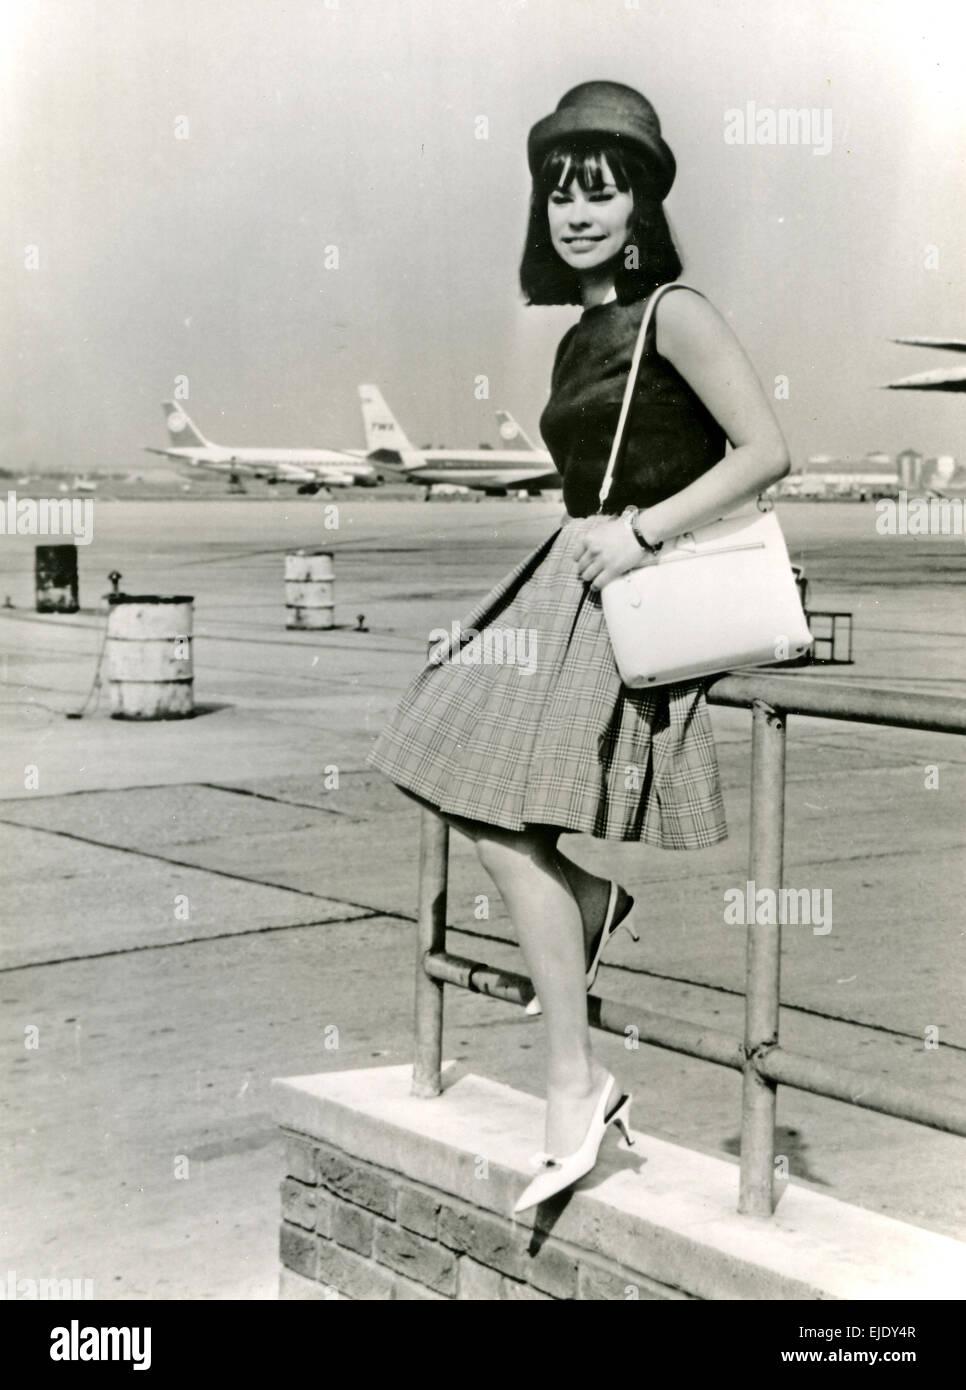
[[514, 755]]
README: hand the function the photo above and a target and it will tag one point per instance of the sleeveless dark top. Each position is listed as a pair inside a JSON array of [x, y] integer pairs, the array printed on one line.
[[670, 439]]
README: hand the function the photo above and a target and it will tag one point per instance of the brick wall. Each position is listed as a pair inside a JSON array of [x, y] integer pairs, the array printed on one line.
[[353, 1230]]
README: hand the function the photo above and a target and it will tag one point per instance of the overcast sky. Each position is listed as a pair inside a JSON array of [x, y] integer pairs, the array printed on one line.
[[352, 123]]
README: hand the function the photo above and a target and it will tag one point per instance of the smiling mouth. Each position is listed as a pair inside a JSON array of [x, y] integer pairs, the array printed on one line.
[[581, 240]]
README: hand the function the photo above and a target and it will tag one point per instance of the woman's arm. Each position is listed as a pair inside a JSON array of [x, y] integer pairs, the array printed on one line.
[[698, 342], [694, 337]]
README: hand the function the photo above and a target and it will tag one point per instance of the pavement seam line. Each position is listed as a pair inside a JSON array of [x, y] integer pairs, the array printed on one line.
[[188, 941], [202, 869], [278, 800]]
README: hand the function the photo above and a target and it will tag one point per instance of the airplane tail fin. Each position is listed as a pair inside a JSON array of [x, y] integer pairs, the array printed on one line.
[[383, 432], [181, 431], [513, 433]]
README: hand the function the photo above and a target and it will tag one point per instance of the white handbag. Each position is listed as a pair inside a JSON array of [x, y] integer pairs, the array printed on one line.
[[712, 599]]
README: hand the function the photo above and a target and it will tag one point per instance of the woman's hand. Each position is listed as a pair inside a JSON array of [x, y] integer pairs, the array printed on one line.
[[607, 551]]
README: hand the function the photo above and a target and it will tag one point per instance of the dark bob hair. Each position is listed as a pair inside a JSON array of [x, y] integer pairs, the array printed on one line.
[[544, 277]]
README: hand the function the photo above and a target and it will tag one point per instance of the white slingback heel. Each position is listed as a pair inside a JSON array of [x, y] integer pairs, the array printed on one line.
[[556, 1174]]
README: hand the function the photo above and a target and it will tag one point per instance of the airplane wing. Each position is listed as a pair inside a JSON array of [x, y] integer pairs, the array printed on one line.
[[950, 344], [951, 380], [514, 477], [546, 481]]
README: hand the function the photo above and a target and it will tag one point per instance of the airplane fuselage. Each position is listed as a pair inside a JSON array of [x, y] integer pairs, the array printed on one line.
[[481, 468], [488, 470], [297, 465]]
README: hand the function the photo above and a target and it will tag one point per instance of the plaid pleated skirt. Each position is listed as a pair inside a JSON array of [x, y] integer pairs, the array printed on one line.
[[520, 718]]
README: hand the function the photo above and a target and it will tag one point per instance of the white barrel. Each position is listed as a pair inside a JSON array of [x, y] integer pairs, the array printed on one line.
[[149, 662], [309, 590]]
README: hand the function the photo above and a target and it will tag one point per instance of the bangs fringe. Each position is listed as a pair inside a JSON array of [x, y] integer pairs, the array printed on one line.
[[584, 163]]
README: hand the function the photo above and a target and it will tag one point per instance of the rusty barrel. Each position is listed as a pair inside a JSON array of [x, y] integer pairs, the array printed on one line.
[[149, 663], [309, 590], [55, 571]]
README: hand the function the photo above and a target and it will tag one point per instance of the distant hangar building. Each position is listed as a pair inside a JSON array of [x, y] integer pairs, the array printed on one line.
[[874, 475], [826, 476]]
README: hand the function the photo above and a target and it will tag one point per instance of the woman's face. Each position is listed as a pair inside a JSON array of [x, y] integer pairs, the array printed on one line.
[[588, 229]]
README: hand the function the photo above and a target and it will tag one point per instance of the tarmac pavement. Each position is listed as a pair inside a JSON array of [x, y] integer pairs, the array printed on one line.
[[189, 911]]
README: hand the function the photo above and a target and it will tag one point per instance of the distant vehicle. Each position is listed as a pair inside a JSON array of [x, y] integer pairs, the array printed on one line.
[[450, 490], [318, 467], [85, 485], [334, 478], [493, 471]]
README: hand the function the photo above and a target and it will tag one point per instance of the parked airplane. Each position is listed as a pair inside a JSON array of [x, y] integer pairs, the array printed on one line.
[[943, 378], [313, 468], [492, 471]]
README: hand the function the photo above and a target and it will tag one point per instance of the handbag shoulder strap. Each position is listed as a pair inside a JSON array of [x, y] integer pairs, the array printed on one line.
[[639, 348]]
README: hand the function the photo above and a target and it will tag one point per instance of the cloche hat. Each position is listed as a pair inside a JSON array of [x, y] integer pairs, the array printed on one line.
[[608, 109]]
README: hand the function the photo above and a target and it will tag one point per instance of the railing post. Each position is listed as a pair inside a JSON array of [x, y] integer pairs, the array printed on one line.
[[430, 936], [763, 961]]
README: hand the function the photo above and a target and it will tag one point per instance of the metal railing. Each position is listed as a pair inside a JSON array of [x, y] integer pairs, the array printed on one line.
[[763, 1062]]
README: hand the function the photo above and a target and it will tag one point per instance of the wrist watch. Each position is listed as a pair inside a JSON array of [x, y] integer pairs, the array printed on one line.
[[632, 516]]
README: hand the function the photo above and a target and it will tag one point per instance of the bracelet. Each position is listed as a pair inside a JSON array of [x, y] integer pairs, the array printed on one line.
[[632, 516]]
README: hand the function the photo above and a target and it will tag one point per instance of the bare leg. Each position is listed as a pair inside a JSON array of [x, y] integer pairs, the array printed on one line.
[[536, 891], [590, 890]]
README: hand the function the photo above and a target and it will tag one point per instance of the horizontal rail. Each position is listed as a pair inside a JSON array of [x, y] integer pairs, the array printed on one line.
[[710, 1044], [826, 699], [937, 1110]]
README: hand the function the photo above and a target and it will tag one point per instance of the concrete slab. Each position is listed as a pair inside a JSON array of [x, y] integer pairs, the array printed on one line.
[[56, 908]]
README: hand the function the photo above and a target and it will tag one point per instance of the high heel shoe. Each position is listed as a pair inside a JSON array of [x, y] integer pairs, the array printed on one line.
[[559, 1173], [611, 923]]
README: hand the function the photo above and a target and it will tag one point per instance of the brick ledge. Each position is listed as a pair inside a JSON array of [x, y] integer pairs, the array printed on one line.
[[663, 1210]]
